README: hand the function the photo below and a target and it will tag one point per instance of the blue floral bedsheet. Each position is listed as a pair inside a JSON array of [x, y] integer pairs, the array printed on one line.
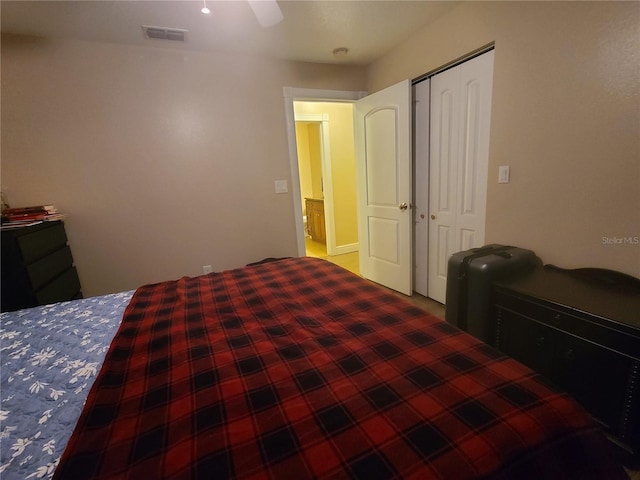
[[49, 357]]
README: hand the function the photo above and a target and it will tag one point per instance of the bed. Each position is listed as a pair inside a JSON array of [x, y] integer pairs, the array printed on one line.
[[49, 356], [289, 369]]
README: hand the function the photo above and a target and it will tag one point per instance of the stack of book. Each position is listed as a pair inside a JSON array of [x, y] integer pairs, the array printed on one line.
[[25, 216]]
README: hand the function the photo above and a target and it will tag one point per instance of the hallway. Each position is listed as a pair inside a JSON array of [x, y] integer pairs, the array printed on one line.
[[348, 261]]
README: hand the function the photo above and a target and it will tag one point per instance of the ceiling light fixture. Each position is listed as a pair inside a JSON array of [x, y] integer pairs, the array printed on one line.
[[340, 52], [205, 10]]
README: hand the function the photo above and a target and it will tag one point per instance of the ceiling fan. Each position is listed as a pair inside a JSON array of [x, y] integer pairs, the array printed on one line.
[[267, 12]]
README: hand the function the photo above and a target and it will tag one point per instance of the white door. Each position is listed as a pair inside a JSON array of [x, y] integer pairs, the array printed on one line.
[[383, 159], [459, 160], [421, 108]]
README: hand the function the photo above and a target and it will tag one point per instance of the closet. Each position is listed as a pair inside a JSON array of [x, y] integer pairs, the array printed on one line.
[[452, 115]]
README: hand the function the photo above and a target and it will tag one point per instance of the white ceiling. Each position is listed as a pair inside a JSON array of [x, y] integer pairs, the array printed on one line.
[[311, 29]]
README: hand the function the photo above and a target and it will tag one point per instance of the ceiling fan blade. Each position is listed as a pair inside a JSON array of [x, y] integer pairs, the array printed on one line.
[[267, 12]]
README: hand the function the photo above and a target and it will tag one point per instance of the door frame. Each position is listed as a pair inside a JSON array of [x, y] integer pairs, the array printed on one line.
[[290, 95]]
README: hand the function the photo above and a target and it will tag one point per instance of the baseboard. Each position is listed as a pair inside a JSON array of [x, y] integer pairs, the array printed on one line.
[[349, 248]]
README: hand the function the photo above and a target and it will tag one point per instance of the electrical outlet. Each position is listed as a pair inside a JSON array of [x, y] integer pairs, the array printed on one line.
[[207, 269]]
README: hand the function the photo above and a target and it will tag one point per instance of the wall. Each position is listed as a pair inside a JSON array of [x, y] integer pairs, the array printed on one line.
[[565, 117], [304, 165], [308, 145], [147, 152], [315, 159], [343, 165]]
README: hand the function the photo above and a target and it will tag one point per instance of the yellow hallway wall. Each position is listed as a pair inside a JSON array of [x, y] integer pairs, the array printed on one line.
[[304, 163]]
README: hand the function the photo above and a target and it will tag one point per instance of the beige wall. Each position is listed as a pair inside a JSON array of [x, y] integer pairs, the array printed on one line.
[[147, 151], [566, 118]]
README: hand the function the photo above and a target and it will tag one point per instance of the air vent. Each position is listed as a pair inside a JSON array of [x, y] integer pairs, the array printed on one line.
[[164, 33]]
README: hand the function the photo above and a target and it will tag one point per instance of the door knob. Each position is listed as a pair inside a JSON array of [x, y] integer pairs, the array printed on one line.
[[403, 206], [433, 217]]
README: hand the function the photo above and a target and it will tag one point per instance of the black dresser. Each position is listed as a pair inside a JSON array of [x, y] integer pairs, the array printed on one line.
[[37, 267], [581, 330]]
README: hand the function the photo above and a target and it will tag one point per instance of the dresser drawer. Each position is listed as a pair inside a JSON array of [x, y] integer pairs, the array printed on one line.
[[42, 242], [595, 376], [588, 327], [37, 267], [65, 287], [46, 269], [581, 330], [605, 382]]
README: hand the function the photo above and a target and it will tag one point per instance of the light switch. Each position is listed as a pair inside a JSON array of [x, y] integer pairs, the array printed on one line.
[[503, 174], [281, 186]]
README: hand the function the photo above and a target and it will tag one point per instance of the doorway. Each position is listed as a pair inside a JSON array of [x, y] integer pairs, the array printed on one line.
[[326, 169], [291, 94]]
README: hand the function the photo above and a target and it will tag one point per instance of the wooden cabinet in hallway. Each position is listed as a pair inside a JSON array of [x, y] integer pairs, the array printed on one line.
[[315, 219]]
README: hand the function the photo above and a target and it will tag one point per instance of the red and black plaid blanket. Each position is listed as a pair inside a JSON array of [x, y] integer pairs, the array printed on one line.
[[299, 369]]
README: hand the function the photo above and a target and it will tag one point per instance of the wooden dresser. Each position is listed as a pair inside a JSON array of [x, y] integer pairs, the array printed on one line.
[[581, 330], [315, 219], [37, 267]]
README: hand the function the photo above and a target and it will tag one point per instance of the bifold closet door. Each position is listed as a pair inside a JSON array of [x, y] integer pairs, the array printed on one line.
[[458, 163]]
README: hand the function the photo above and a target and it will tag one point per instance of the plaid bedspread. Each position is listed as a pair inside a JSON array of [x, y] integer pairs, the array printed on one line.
[[299, 369]]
